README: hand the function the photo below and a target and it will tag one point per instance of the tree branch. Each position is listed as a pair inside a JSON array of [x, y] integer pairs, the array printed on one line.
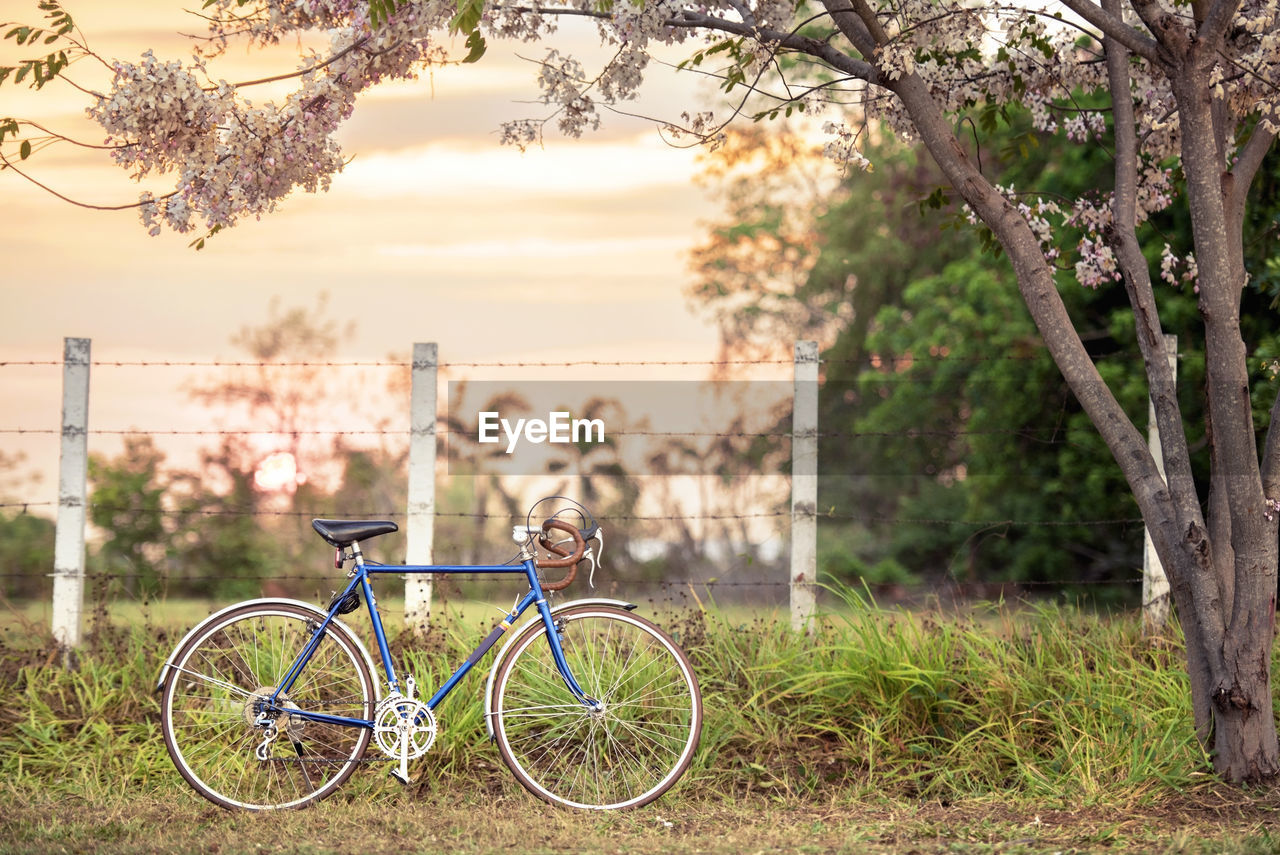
[[5, 163], [289, 75], [57, 137], [1217, 21], [868, 17], [1248, 161], [1114, 26], [852, 27], [790, 40], [1271, 455], [1137, 278]]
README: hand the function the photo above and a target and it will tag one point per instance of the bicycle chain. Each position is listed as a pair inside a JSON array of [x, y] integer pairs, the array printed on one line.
[[331, 761]]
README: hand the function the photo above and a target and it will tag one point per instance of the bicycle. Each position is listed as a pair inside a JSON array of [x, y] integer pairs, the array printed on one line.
[[272, 703]]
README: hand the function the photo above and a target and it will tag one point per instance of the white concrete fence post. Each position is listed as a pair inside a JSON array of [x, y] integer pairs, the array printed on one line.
[[1155, 585], [421, 511], [804, 487], [68, 547]]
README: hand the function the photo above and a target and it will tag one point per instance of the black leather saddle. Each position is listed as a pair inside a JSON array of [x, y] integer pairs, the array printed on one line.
[[343, 533]]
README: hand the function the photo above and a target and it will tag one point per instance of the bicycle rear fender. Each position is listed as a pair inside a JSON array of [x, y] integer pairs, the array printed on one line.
[[497, 660], [320, 614]]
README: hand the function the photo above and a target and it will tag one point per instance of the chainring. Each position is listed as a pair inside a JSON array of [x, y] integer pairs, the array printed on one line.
[[403, 727]]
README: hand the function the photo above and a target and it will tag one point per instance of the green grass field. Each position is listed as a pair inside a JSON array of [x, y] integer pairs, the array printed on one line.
[[1030, 729]]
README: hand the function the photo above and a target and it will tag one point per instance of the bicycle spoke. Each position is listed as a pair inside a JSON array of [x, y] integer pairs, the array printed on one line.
[[215, 705], [624, 752]]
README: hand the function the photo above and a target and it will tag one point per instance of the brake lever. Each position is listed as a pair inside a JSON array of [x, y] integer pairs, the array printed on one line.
[[596, 555]]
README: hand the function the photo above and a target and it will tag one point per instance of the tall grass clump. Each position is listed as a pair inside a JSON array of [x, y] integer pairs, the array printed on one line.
[[1038, 701], [1028, 701], [88, 729], [94, 729]]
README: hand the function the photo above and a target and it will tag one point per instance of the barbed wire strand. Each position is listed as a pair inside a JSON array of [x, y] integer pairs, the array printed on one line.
[[832, 514], [894, 362], [488, 578], [914, 433]]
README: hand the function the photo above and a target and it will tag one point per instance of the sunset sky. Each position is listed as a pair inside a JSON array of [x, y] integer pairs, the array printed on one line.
[[434, 232]]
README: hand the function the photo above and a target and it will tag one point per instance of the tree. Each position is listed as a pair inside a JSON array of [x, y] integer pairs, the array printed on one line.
[[924, 394], [1184, 96], [26, 540], [246, 511], [128, 505]]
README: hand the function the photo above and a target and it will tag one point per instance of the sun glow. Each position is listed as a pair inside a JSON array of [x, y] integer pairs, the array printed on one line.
[[278, 472]]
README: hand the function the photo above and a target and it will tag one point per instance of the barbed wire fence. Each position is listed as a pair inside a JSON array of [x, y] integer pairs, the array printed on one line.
[[799, 521]]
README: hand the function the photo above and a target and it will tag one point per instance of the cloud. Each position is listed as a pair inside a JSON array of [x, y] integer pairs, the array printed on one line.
[[565, 168], [539, 248]]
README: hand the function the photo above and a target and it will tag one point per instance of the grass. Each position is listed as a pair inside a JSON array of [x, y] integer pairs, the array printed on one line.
[[479, 822], [1006, 730]]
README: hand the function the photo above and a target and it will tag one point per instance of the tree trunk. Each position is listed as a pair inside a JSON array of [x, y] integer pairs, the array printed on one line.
[[1229, 637], [1229, 654], [1245, 746]]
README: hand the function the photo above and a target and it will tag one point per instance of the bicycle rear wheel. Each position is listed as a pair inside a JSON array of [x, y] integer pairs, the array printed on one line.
[[624, 753], [209, 713]]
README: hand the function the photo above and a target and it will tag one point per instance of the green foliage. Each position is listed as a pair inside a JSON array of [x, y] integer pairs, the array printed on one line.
[[1040, 703], [476, 46], [467, 20], [198, 243], [26, 540], [127, 503], [221, 548], [40, 70], [381, 10], [948, 434], [967, 419], [740, 58], [1045, 703], [26, 554]]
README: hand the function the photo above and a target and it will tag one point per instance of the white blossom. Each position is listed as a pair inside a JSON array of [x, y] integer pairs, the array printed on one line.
[[230, 157]]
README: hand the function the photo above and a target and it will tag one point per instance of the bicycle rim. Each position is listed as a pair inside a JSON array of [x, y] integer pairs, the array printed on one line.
[[627, 752], [209, 721]]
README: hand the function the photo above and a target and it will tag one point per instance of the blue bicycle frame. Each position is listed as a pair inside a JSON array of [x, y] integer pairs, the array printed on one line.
[[360, 578]]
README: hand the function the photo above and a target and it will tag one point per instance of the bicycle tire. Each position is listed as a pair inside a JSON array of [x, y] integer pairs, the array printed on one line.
[[623, 755], [217, 676]]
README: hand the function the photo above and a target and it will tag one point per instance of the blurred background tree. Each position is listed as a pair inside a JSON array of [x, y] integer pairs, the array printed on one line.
[[951, 449]]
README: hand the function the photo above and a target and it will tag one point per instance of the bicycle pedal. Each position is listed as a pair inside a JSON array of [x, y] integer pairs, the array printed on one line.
[[402, 778]]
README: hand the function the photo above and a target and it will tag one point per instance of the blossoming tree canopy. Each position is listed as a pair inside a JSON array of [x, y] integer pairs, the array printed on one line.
[[1184, 95], [233, 157]]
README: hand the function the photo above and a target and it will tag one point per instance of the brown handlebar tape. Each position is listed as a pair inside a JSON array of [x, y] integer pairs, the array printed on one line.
[[567, 559]]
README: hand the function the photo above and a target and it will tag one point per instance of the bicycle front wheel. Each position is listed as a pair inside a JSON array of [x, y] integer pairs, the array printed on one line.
[[627, 748], [211, 709]]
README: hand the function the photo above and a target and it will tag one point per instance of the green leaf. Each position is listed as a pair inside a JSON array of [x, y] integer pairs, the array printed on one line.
[[381, 10], [198, 243], [476, 42], [468, 16], [24, 151]]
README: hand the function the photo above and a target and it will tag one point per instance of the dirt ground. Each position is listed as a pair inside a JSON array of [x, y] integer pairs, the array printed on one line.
[[1214, 821]]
